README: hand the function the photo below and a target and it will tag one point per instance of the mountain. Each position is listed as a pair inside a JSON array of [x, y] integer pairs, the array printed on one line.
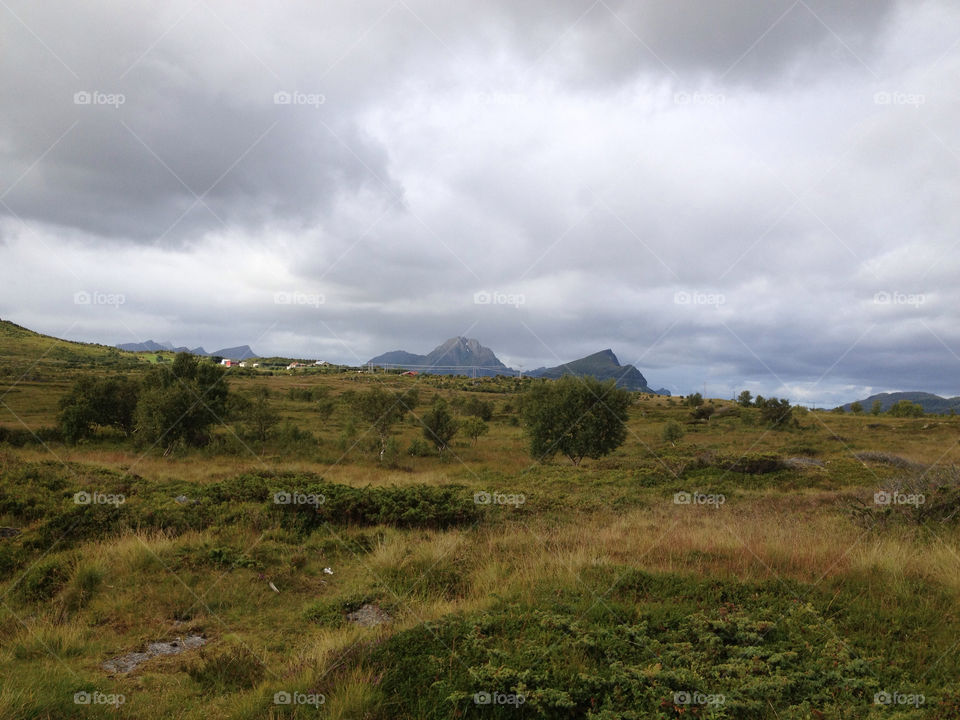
[[242, 352], [928, 401], [456, 356], [603, 366]]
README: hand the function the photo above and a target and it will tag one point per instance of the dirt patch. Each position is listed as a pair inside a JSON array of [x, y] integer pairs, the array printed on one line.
[[128, 662], [369, 616]]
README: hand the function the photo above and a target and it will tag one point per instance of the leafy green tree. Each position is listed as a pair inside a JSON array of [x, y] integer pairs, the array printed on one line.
[[380, 410], [856, 408], [745, 399], [672, 432], [778, 414], [473, 427], [905, 408], [439, 426], [695, 400], [179, 403], [760, 401], [577, 417], [107, 402], [478, 408], [876, 408], [259, 416]]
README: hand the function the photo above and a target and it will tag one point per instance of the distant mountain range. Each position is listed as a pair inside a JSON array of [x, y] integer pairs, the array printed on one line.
[[466, 356], [930, 403], [243, 352]]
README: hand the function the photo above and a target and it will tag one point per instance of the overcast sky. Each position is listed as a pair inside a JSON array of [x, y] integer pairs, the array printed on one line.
[[743, 193]]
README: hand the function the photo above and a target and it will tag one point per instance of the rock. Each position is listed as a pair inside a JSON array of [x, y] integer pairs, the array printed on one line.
[[126, 663], [369, 616]]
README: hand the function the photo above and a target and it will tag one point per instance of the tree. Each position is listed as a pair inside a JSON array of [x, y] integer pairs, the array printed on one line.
[[381, 409], [856, 408], [778, 414], [179, 403], [108, 402], [473, 427], [479, 408], [672, 432], [439, 426], [876, 408], [259, 417], [695, 400], [745, 399], [577, 417], [760, 401], [905, 408]]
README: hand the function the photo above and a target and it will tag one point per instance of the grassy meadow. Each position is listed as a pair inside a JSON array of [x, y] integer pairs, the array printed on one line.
[[737, 572]]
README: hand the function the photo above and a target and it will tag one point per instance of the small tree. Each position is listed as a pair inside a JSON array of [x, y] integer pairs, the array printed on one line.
[[905, 408], [439, 426], [473, 427], [379, 409], [695, 400], [876, 408], [259, 417], [577, 417], [108, 402], [856, 408], [672, 432], [745, 399], [778, 414]]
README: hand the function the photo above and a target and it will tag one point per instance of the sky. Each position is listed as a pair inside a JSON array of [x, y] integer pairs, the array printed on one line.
[[730, 195]]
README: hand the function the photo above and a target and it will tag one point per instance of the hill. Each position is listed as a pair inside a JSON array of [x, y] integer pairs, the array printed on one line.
[[456, 356], [603, 366], [934, 404], [241, 352]]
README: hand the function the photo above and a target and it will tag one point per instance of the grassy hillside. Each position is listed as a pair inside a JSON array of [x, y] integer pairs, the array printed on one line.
[[735, 573]]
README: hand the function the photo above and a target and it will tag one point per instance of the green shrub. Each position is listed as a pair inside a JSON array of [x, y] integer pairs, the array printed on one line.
[[225, 668], [44, 580]]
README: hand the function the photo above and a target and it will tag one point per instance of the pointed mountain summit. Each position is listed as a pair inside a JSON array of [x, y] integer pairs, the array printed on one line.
[[603, 366], [456, 356]]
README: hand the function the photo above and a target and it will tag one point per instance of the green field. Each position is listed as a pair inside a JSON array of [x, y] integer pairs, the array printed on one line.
[[738, 572]]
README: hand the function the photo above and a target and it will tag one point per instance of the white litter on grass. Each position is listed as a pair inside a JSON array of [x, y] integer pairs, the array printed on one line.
[[328, 571], [273, 587]]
